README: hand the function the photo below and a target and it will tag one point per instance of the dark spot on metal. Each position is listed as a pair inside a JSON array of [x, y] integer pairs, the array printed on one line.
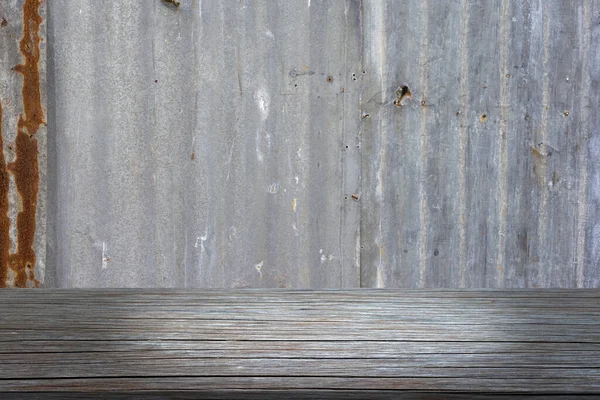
[[342, 91], [483, 118], [355, 197], [193, 156], [423, 104], [330, 79], [3, 22], [523, 241], [366, 116], [25, 167], [175, 3], [436, 252], [555, 178], [405, 251], [156, 81], [402, 95], [457, 113]]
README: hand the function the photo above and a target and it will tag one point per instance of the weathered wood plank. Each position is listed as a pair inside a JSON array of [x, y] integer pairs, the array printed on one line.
[[115, 340]]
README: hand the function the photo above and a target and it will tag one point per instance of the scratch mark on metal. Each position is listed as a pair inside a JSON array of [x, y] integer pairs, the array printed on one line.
[[105, 258], [25, 167], [259, 153], [464, 89], [229, 160], [238, 69], [423, 162]]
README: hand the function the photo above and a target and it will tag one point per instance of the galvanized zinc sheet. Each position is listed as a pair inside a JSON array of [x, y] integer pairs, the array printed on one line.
[[324, 144], [488, 176], [207, 145]]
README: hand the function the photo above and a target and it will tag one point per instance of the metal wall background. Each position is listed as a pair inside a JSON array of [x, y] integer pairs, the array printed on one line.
[[204, 145], [260, 143], [489, 177]]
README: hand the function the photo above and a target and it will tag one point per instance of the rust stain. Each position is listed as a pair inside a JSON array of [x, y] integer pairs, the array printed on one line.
[[25, 167], [4, 220]]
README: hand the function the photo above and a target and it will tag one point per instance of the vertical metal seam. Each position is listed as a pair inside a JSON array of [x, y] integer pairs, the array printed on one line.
[[543, 206], [423, 214], [504, 26], [464, 89], [380, 283], [360, 152], [585, 131], [343, 185]]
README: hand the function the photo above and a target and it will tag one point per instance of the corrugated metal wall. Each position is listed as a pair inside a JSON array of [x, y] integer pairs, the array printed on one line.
[[322, 144]]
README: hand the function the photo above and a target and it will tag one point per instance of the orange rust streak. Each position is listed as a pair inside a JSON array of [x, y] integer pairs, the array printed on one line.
[[4, 220], [30, 48], [25, 166]]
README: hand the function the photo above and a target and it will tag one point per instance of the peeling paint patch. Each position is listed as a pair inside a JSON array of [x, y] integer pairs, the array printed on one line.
[[259, 153], [262, 100], [25, 167], [105, 257]]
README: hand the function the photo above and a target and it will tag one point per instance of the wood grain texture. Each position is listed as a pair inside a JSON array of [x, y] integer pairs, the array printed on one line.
[[495, 342]]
